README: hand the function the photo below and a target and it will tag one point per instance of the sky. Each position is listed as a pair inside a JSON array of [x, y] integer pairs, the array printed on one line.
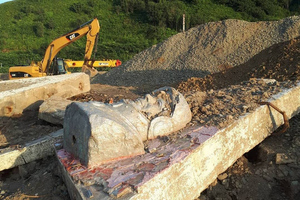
[[3, 1]]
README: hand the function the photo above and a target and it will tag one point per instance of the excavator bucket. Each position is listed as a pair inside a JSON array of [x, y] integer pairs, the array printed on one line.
[[91, 71]]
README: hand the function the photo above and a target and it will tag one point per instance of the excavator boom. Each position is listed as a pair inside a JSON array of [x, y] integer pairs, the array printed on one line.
[[91, 31], [96, 64]]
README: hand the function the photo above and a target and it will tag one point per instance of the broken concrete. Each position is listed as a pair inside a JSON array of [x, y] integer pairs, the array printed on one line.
[[19, 155], [29, 93], [182, 168], [53, 109], [96, 132]]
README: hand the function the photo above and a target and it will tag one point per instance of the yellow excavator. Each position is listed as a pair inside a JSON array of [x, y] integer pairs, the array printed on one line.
[[50, 65], [97, 64]]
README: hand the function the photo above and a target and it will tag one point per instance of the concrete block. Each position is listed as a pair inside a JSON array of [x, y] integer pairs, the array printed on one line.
[[29, 93], [31, 151], [179, 169], [53, 109]]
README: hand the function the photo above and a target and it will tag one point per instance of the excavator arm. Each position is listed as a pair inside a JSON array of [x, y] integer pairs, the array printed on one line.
[[90, 29]]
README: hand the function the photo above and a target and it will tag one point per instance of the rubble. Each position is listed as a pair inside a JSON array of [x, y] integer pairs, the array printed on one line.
[[282, 158]]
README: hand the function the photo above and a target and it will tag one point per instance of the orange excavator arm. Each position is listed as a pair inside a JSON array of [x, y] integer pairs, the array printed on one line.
[[90, 29]]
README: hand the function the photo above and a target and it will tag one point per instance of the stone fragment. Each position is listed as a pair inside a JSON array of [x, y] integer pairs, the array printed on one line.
[[53, 109], [269, 81], [31, 151], [222, 176], [295, 187], [282, 158]]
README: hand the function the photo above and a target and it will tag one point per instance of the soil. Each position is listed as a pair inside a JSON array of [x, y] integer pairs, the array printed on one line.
[[216, 99]]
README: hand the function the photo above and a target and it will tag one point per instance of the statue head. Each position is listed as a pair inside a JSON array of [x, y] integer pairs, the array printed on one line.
[[119, 129], [165, 108]]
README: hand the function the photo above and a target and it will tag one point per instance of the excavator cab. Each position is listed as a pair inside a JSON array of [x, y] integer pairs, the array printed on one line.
[[57, 67]]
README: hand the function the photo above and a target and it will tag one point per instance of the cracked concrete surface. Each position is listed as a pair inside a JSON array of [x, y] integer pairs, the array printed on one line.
[[22, 94]]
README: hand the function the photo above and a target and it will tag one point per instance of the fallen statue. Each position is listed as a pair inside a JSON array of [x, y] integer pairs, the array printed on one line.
[[96, 132]]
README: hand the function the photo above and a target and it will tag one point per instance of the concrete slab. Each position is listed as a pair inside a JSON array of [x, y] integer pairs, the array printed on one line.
[[181, 168], [37, 149], [29, 93]]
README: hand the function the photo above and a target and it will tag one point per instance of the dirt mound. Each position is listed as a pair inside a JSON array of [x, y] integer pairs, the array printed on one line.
[[220, 108], [205, 49], [280, 61]]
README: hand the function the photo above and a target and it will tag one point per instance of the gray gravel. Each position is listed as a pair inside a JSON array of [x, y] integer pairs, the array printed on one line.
[[202, 50]]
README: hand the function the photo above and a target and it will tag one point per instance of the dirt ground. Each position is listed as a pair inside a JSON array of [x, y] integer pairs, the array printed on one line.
[[215, 99]]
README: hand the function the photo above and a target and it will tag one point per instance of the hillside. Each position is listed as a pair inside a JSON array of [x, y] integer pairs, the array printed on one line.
[[30, 26], [127, 27]]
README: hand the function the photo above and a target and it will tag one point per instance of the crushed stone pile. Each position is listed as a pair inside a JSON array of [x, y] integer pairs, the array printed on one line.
[[280, 62], [200, 51]]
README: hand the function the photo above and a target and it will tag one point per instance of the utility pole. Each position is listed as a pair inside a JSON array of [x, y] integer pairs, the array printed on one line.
[[183, 22]]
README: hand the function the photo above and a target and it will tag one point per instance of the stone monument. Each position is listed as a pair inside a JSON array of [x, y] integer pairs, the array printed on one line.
[[96, 132]]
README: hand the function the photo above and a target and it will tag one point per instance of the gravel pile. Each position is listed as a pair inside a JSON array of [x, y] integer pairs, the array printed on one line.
[[202, 50]]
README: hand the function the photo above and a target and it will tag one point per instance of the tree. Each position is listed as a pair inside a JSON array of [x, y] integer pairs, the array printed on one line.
[[80, 8], [38, 29], [50, 24], [285, 3]]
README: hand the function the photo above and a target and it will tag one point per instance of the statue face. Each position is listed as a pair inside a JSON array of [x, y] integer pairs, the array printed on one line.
[[150, 105]]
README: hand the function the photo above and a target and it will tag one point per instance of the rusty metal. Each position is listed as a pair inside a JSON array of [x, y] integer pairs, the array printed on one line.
[[286, 123]]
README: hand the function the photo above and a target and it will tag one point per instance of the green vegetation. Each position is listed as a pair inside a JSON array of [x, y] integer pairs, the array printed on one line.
[[127, 26]]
